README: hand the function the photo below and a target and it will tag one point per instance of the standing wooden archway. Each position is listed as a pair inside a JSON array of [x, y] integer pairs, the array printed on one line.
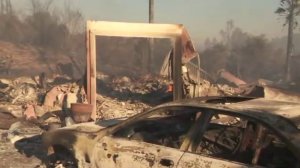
[[142, 30]]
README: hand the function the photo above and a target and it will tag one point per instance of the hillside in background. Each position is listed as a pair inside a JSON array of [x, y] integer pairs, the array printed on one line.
[[20, 59]]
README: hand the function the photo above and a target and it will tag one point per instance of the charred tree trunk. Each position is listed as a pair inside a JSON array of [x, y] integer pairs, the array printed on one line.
[[289, 49], [151, 40], [151, 11]]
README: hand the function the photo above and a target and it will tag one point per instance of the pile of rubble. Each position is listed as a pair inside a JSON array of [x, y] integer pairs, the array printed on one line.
[[27, 109], [109, 108], [123, 96], [120, 97]]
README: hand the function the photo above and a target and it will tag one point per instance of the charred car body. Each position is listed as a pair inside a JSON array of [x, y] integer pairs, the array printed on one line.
[[204, 132], [190, 133]]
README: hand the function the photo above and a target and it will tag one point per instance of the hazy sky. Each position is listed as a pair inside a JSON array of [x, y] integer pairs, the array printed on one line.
[[203, 18]]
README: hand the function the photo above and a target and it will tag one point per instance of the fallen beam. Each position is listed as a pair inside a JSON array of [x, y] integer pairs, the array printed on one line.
[[230, 77]]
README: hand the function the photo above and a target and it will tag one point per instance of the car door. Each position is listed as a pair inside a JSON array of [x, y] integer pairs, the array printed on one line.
[[122, 153], [153, 141], [195, 160], [218, 143], [236, 141]]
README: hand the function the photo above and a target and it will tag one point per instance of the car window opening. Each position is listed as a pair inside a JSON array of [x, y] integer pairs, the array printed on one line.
[[245, 141], [166, 128]]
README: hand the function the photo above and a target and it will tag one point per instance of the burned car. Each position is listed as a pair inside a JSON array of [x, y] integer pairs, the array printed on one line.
[[216, 132]]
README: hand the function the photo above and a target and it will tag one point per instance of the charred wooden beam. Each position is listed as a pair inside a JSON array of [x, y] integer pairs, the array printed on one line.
[[230, 77]]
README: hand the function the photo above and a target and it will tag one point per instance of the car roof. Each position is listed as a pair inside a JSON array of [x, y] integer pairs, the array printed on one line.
[[288, 110], [282, 117], [256, 108]]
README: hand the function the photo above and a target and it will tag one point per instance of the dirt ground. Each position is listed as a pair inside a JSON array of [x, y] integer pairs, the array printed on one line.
[[24, 153], [25, 60]]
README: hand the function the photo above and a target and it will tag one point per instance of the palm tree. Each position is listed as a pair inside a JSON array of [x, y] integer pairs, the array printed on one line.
[[289, 9]]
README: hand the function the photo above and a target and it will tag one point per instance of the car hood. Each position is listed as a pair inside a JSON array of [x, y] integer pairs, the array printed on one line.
[[94, 126]]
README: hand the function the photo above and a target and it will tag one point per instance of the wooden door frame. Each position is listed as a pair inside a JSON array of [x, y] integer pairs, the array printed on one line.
[[139, 30]]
